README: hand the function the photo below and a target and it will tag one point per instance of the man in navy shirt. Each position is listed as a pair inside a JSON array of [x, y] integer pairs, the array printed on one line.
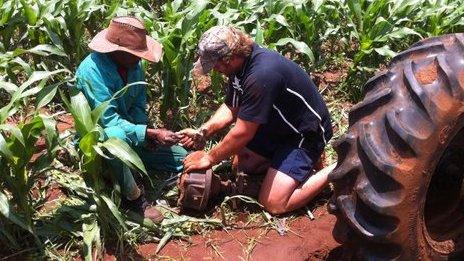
[[281, 122]]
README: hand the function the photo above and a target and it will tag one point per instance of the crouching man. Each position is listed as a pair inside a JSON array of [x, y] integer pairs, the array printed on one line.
[[281, 122], [114, 63]]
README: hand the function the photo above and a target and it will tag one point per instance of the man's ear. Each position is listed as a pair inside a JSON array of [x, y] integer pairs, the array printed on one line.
[[236, 60], [225, 60]]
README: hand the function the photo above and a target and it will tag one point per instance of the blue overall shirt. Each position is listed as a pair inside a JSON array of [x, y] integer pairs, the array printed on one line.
[[98, 78], [125, 117]]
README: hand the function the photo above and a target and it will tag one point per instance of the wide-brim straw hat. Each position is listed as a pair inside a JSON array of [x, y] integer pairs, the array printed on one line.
[[129, 35]]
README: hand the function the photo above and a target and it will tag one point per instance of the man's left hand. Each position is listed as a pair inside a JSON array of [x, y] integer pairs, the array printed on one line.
[[198, 160], [162, 136]]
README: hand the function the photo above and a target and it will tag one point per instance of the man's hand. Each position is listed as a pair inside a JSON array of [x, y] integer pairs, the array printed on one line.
[[197, 160], [162, 136], [191, 138]]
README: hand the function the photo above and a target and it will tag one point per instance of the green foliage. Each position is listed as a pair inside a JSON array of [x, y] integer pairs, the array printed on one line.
[[92, 135], [106, 219], [18, 177], [368, 32], [381, 28]]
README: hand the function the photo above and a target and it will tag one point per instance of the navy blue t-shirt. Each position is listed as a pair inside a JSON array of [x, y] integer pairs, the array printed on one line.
[[276, 93]]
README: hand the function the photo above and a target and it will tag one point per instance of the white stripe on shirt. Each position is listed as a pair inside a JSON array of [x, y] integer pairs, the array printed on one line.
[[233, 98], [289, 124], [301, 142], [236, 86], [312, 110]]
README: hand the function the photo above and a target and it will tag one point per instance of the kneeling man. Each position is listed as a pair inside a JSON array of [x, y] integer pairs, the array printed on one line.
[[281, 121]]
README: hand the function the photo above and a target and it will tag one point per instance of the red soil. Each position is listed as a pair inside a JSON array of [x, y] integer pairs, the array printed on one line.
[[328, 78], [64, 122], [306, 240], [427, 74]]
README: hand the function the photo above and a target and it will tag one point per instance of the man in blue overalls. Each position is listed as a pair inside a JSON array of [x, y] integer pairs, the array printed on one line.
[[115, 63]]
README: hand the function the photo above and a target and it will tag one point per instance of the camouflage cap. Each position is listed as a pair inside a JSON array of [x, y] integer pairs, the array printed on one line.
[[216, 43]]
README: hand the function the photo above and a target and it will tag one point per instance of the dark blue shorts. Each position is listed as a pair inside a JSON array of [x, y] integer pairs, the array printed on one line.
[[285, 154]]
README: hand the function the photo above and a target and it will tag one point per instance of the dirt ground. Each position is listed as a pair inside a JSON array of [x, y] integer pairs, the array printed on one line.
[[304, 240]]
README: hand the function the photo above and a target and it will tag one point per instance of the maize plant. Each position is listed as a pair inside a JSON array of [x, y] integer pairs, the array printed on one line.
[[18, 204], [103, 214]]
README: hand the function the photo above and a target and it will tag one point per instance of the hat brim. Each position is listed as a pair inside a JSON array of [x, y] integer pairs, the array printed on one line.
[[153, 52], [203, 66]]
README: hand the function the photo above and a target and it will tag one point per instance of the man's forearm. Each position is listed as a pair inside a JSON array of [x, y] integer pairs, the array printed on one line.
[[232, 143], [223, 117], [237, 138]]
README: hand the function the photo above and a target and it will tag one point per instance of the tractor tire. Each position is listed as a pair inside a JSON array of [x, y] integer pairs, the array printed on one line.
[[398, 191]]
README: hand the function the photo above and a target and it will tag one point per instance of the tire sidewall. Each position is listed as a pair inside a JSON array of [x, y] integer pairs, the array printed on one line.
[[418, 235]]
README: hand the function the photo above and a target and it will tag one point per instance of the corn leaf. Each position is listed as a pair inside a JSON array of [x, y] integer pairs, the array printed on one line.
[[7, 10], [5, 210], [91, 235], [401, 33], [38, 76], [51, 136], [100, 109], [259, 35], [46, 94], [29, 12], [163, 241], [8, 87], [317, 4], [114, 210], [87, 143], [280, 19], [380, 28], [34, 90], [100, 152], [80, 109], [385, 51], [15, 131], [26, 66], [300, 47], [46, 50], [125, 153], [355, 7], [4, 150]]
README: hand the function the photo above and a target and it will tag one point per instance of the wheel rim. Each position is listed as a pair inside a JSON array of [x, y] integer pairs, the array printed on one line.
[[444, 206]]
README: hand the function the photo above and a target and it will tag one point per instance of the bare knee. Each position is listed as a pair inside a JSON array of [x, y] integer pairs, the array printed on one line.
[[273, 205], [276, 191]]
